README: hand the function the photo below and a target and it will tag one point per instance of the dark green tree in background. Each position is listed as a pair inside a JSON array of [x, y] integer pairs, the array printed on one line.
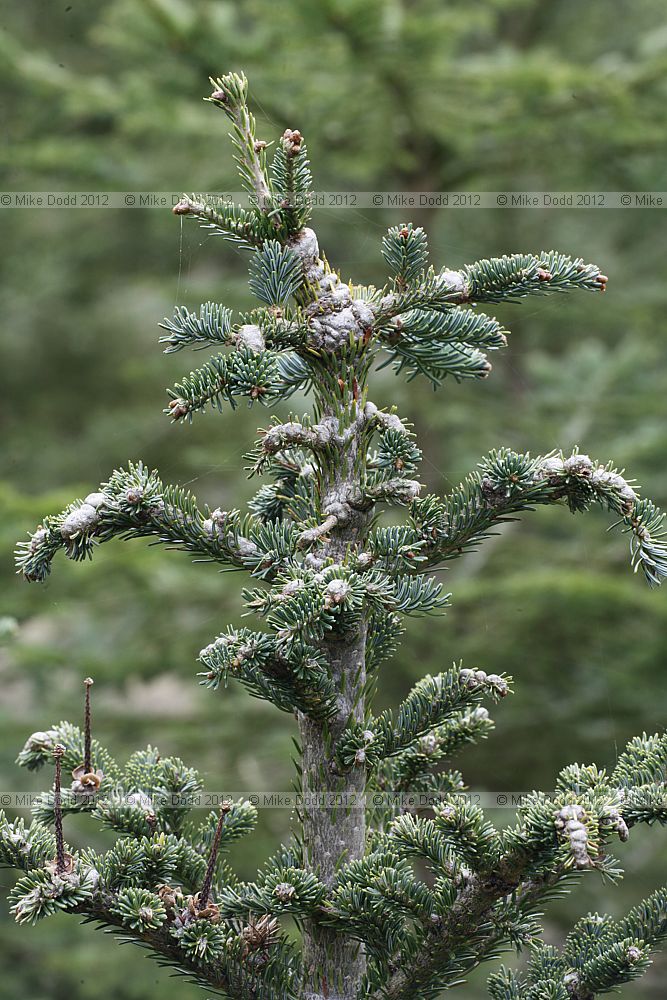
[[389, 902]]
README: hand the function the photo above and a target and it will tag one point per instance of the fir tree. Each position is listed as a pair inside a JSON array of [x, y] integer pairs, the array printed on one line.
[[391, 902]]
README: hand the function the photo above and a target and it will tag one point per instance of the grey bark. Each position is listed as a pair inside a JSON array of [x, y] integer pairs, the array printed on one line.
[[334, 965]]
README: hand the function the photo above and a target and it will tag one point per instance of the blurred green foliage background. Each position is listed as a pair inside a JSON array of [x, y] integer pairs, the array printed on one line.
[[390, 94]]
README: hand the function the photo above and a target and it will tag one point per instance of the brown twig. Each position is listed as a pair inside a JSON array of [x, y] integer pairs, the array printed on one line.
[[58, 752], [205, 890], [87, 754]]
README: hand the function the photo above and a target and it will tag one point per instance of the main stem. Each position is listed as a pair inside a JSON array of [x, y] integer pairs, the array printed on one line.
[[334, 965]]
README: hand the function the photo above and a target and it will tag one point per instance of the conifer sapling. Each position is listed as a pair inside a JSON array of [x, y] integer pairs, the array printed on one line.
[[389, 902]]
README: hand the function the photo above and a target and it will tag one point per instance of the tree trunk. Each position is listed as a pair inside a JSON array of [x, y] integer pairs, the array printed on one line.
[[334, 965]]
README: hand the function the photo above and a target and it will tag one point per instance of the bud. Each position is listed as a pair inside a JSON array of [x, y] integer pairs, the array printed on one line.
[[179, 408], [182, 207], [291, 141], [284, 892]]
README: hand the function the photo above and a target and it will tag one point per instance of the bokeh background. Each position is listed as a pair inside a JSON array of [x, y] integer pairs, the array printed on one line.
[[390, 94]]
